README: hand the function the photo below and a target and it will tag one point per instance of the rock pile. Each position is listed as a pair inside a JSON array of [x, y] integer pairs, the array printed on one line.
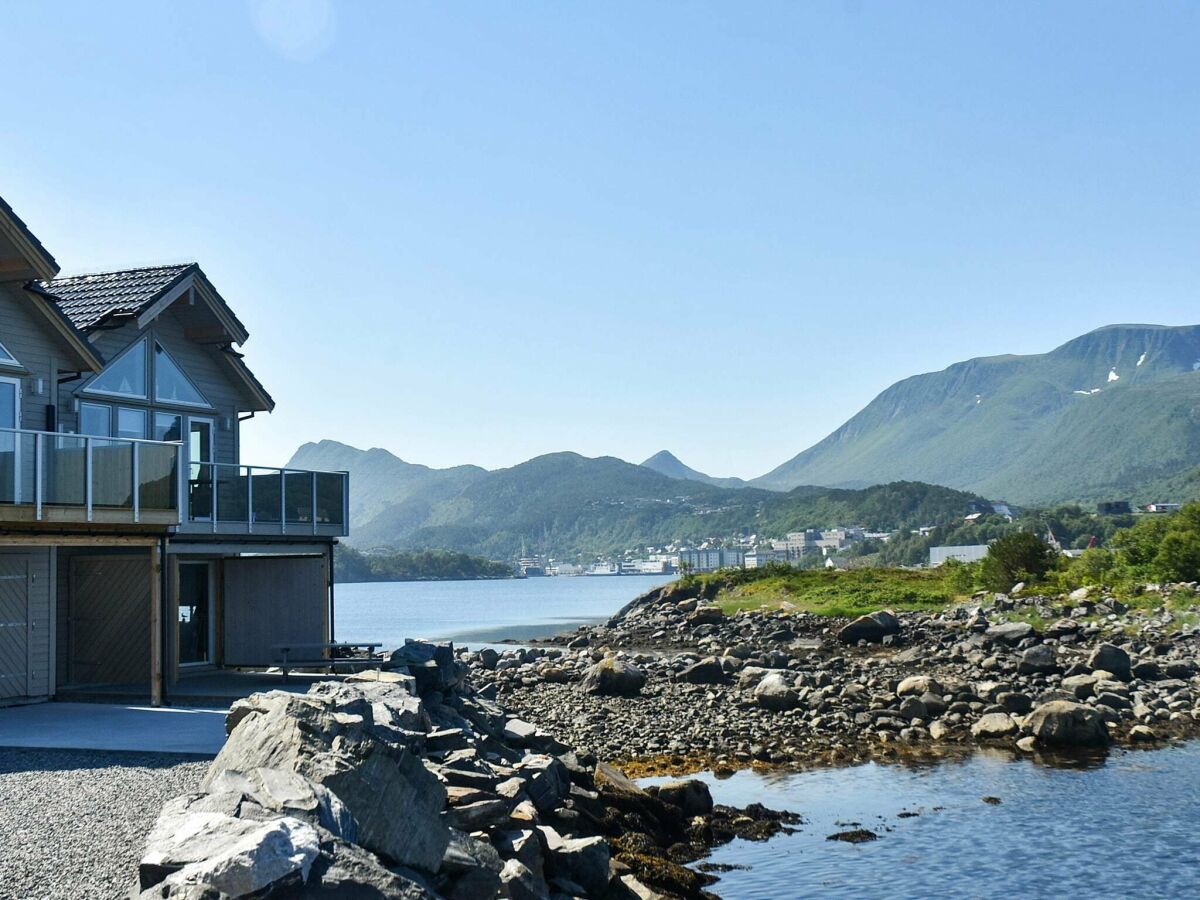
[[409, 783], [1030, 672]]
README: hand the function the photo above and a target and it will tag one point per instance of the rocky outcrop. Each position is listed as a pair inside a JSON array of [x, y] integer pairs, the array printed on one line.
[[405, 785]]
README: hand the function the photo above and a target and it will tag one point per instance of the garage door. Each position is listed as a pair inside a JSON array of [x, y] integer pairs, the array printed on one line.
[[110, 619], [271, 600], [14, 627]]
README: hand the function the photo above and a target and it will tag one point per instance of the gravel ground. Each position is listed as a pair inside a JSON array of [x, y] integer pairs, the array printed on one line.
[[73, 823]]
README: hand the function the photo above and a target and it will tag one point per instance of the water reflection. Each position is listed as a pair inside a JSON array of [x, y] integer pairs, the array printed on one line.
[[1065, 825]]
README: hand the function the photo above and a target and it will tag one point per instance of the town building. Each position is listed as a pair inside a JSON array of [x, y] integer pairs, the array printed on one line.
[[965, 553], [136, 546]]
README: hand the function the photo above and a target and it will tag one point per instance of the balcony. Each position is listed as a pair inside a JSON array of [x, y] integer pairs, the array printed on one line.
[[66, 478], [229, 498]]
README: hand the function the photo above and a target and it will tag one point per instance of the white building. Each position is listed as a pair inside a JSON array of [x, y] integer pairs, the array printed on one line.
[[965, 553]]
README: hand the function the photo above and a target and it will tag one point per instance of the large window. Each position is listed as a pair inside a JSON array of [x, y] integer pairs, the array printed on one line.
[[125, 376], [95, 419], [131, 423], [168, 427], [170, 384]]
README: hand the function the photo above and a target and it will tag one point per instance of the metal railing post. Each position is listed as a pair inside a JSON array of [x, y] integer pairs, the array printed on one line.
[[282, 502], [249, 499], [87, 476], [345, 503], [212, 480], [17, 468], [137, 483], [313, 478], [38, 474]]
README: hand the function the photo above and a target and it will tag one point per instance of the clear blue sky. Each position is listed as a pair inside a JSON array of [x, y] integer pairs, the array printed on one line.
[[477, 232]]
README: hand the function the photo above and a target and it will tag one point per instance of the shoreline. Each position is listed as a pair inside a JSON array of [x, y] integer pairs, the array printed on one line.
[[775, 690]]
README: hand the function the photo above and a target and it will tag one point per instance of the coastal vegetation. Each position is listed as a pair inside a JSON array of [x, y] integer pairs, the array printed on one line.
[[425, 565], [1152, 549]]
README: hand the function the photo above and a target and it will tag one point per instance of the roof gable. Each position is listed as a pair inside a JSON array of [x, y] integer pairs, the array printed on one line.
[[22, 255]]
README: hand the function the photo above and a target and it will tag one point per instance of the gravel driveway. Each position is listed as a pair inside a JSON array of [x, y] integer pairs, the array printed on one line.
[[72, 823]]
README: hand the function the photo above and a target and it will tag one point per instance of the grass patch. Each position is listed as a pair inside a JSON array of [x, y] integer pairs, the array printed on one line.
[[829, 592]]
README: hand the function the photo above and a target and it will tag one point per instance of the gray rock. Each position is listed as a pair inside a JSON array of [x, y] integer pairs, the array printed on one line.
[[344, 871], [994, 726], [1039, 659], [1064, 723], [872, 628], [916, 685], [233, 856], [691, 796], [520, 883], [613, 677], [311, 735], [1112, 658], [706, 671], [1010, 632], [1079, 685], [775, 693], [581, 860]]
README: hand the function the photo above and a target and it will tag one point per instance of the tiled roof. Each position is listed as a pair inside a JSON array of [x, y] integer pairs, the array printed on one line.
[[86, 300], [20, 225]]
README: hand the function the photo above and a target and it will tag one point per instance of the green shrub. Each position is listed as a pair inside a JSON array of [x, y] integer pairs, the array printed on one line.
[[1013, 558]]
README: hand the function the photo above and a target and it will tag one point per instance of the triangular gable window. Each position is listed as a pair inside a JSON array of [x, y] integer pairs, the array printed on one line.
[[6, 358], [125, 376], [171, 385]]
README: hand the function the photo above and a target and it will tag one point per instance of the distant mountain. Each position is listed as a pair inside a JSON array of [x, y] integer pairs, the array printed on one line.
[[1114, 413], [565, 504], [666, 463], [378, 479]]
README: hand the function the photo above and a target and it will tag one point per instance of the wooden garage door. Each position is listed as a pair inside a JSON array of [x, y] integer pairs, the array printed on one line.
[[14, 627], [110, 619], [271, 600]]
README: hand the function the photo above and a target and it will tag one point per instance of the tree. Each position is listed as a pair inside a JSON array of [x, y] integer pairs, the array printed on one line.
[[1013, 558]]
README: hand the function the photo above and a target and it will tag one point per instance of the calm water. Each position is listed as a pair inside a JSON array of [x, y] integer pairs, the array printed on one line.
[[1127, 827], [477, 612]]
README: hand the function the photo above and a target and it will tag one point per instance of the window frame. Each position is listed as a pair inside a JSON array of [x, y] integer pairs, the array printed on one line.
[[185, 404], [143, 342]]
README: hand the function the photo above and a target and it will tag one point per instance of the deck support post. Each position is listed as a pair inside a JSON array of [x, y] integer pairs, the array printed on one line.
[[156, 627]]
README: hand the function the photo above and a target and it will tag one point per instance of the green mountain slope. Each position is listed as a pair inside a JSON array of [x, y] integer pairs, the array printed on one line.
[[379, 479], [666, 463], [1106, 414], [566, 505]]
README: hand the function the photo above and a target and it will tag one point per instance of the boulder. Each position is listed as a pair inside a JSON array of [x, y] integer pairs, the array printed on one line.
[[994, 726], [691, 796], [613, 677], [776, 693], [432, 665], [1112, 658], [328, 738], [1039, 659], [1010, 632], [872, 628], [916, 685], [706, 615], [234, 856], [1065, 723], [706, 671], [1079, 685], [581, 860], [348, 871]]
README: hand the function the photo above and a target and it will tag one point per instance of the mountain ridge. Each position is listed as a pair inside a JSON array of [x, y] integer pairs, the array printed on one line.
[[1004, 425], [667, 463]]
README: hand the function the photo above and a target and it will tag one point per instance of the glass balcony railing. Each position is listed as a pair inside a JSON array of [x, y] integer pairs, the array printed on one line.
[[66, 477], [225, 497]]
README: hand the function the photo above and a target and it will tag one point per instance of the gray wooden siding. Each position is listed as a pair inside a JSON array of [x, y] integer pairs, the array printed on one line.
[[36, 646], [202, 364], [32, 341], [268, 601]]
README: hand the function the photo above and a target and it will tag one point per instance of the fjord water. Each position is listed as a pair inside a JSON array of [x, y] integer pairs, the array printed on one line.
[[1121, 825], [475, 612]]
